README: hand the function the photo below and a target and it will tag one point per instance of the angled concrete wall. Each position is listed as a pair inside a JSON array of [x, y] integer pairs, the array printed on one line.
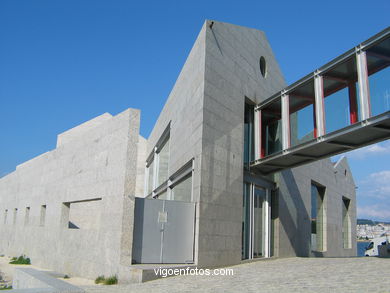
[[232, 75], [96, 160], [183, 113]]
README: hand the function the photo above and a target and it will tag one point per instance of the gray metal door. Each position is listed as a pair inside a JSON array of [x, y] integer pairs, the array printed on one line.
[[163, 231]]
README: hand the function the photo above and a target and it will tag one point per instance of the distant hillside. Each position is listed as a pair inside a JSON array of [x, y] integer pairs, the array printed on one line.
[[370, 222]]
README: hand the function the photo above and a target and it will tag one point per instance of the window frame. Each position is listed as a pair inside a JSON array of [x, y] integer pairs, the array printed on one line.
[[179, 176], [154, 157], [321, 217]]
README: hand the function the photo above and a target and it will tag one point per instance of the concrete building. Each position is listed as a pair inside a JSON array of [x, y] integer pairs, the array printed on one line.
[[72, 209]]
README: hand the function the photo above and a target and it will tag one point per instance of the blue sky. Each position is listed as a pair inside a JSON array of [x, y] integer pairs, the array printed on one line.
[[65, 62]]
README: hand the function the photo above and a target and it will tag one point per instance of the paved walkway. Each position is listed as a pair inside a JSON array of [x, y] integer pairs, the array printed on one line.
[[280, 275]]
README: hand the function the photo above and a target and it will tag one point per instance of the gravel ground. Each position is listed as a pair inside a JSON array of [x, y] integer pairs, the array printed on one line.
[[280, 275]]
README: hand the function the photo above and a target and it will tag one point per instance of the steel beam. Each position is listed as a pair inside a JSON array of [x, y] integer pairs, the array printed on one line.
[[257, 133], [381, 128], [364, 92], [319, 106], [285, 122], [343, 144]]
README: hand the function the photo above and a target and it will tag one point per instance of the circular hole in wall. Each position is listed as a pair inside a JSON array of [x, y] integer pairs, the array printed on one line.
[[263, 66]]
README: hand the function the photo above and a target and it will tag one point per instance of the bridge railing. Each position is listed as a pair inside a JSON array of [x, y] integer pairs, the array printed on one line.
[[350, 89]]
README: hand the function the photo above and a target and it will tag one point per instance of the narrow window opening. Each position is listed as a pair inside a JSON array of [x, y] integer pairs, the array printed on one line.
[[318, 218], [346, 230], [27, 216], [15, 215], [43, 216], [5, 216], [248, 135]]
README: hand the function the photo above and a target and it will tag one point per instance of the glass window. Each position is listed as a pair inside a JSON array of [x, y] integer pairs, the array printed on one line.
[[379, 77], [271, 125], [248, 135], [317, 218], [163, 195], [301, 103], [340, 94], [245, 222], [157, 167], [346, 231], [380, 91], [182, 191], [150, 176], [163, 159]]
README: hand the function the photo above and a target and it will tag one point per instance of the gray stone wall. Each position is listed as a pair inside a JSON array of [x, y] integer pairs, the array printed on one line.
[[96, 160], [294, 197], [183, 113], [232, 75]]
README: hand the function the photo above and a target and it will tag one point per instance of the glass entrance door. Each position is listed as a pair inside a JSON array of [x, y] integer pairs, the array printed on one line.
[[255, 222], [259, 197]]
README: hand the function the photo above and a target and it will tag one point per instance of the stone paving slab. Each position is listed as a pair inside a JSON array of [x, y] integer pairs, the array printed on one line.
[[280, 275]]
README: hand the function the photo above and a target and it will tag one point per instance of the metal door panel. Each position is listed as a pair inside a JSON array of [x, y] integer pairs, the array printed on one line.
[[178, 238], [147, 231], [163, 231]]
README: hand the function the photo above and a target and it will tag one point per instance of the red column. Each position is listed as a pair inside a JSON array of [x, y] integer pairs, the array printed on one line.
[[353, 109], [314, 120], [261, 136]]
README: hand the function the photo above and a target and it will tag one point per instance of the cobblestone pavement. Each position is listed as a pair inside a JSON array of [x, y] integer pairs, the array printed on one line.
[[280, 275]]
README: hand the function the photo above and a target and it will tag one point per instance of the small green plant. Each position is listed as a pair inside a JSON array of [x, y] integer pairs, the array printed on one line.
[[111, 280], [66, 277], [99, 279], [6, 287], [107, 281], [21, 260]]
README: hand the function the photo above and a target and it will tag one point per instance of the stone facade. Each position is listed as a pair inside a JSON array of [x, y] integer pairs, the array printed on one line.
[[75, 204], [93, 167]]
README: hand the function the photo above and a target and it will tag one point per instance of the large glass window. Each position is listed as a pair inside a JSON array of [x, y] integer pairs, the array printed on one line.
[[246, 206], [271, 128], [150, 174], [255, 242], [379, 76], [302, 118], [340, 94], [182, 191], [163, 195], [259, 197], [317, 218], [248, 135], [157, 166], [163, 159]]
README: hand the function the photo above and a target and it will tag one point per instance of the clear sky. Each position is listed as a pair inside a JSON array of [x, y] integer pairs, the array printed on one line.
[[64, 62]]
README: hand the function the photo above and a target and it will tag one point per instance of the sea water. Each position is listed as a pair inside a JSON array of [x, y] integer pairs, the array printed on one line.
[[361, 247]]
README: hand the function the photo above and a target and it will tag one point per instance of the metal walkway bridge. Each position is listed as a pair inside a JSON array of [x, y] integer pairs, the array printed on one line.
[[342, 106]]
